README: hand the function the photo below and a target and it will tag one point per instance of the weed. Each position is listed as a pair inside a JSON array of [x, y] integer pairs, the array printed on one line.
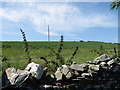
[[115, 51], [71, 58], [26, 46], [5, 60], [59, 58]]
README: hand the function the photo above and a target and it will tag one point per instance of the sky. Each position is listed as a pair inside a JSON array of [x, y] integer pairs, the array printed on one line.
[[87, 21]]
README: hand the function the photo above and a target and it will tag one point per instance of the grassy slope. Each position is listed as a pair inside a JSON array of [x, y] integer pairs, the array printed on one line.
[[14, 52]]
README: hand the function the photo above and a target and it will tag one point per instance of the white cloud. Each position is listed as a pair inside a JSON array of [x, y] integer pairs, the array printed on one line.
[[51, 33], [56, 0], [61, 18]]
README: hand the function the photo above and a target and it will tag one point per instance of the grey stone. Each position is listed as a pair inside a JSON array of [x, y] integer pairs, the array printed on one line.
[[76, 73], [111, 62], [47, 86], [35, 69], [16, 77], [65, 69], [103, 64], [79, 67], [58, 74], [102, 58], [94, 68], [69, 75], [52, 76], [20, 78], [86, 75]]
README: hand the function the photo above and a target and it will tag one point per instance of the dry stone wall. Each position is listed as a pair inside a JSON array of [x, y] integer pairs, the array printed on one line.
[[103, 73]]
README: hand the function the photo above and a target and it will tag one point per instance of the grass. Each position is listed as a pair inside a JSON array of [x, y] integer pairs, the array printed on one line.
[[88, 51]]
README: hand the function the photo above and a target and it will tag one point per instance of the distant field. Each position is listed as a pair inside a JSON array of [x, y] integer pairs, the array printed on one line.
[[88, 51]]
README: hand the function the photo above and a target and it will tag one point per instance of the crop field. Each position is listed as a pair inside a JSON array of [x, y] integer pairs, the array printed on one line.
[[13, 54]]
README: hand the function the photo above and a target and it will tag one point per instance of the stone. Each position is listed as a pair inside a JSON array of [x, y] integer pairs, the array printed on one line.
[[94, 68], [52, 76], [102, 58], [16, 77], [65, 69], [10, 71], [105, 74], [86, 75], [58, 74], [69, 75], [76, 73], [111, 62], [103, 64], [20, 78], [47, 87], [79, 67], [35, 69]]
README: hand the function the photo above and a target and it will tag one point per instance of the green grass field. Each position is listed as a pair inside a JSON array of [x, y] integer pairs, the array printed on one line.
[[88, 51]]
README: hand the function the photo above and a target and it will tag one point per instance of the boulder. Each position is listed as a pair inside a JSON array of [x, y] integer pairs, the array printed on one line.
[[104, 65], [58, 74], [35, 69], [79, 67], [69, 75], [16, 77], [63, 71], [67, 72], [94, 68], [111, 62], [102, 58]]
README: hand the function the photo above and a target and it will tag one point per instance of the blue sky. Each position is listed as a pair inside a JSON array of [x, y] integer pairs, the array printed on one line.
[[88, 21]]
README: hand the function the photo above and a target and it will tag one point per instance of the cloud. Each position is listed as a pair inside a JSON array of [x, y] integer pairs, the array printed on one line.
[[10, 15], [62, 18], [51, 33], [55, 0]]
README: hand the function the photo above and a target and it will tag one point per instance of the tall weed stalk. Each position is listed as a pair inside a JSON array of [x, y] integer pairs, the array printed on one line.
[[26, 47], [59, 58]]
